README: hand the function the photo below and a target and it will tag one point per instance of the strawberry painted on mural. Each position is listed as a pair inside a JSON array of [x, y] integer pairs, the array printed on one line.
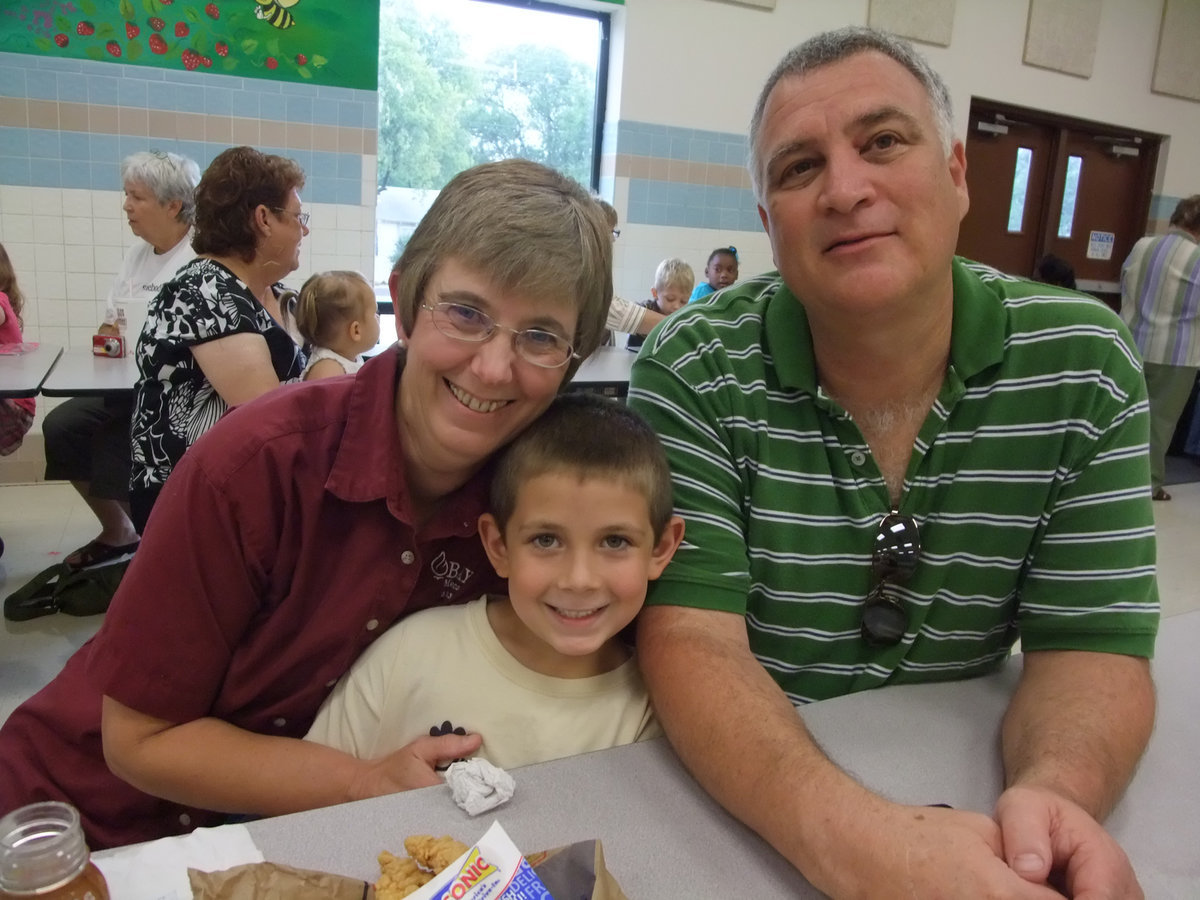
[[255, 37]]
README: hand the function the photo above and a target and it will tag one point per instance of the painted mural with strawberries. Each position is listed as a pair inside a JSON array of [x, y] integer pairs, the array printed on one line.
[[312, 41]]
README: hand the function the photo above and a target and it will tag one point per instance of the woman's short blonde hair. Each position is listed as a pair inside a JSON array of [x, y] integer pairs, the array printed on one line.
[[528, 229]]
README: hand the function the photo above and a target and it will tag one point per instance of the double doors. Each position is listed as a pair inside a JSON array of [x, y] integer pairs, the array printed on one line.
[[1041, 183]]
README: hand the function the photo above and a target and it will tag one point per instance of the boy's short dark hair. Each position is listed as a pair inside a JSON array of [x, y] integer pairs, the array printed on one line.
[[592, 437]]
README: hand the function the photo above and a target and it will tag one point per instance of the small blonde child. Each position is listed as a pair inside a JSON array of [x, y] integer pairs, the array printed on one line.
[[15, 415], [673, 280], [337, 316]]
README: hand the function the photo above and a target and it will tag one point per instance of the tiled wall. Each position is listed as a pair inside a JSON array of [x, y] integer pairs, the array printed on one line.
[[66, 125], [682, 176]]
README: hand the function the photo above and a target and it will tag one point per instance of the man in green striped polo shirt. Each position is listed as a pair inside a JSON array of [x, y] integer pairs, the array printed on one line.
[[1160, 302], [892, 463]]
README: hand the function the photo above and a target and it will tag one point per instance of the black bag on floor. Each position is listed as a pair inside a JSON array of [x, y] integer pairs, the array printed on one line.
[[76, 592]]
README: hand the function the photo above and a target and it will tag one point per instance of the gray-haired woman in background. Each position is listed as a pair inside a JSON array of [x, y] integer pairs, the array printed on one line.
[[87, 438]]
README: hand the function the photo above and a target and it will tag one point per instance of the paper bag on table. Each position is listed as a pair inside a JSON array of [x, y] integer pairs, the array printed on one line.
[[259, 881], [576, 870]]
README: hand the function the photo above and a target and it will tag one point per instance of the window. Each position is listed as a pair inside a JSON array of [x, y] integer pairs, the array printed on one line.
[[1016, 207], [1066, 218], [463, 82]]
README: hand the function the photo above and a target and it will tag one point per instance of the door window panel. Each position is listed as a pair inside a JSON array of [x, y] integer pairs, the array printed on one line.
[[1016, 208], [1066, 218]]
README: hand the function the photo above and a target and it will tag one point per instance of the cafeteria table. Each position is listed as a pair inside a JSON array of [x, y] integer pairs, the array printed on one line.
[[605, 372], [663, 836], [80, 373], [24, 367]]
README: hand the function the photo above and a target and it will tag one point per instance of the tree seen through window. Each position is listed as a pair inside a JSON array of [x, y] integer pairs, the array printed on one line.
[[468, 81]]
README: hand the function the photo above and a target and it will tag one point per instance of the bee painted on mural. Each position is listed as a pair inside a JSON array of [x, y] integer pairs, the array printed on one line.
[[276, 12]]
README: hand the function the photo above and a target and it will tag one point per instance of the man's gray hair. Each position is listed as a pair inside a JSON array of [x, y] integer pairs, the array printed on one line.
[[834, 46], [168, 176]]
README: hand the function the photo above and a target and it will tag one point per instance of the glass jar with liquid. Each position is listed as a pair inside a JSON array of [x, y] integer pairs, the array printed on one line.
[[43, 855]]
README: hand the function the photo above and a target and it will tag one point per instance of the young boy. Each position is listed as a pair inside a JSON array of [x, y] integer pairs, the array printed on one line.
[[580, 521], [673, 281], [721, 271]]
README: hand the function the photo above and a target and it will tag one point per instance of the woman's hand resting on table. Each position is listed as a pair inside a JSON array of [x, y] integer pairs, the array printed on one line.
[[413, 765]]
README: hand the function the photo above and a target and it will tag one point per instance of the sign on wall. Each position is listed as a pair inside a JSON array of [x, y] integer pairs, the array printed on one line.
[[1100, 245], [331, 42]]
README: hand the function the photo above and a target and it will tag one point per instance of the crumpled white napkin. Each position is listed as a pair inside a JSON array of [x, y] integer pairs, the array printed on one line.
[[478, 786], [158, 870]]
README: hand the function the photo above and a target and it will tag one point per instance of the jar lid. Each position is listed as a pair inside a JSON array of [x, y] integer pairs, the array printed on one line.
[[41, 847]]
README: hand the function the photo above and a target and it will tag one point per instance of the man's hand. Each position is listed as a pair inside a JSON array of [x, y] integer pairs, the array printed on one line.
[[413, 765], [1050, 839], [931, 853]]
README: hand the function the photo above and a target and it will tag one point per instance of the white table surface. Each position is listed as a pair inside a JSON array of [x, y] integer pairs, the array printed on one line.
[[22, 374], [80, 373], [917, 744], [608, 365]]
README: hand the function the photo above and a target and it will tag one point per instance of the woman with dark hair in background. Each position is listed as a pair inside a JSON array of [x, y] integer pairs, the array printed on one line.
[[214, 336]]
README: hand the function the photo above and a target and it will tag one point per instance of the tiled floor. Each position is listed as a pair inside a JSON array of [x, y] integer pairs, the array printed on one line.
[[41, 523]]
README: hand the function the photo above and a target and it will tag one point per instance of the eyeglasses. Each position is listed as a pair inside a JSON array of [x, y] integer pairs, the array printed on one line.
[[534, 345], [301, 217], [897, 549], [616, 233]]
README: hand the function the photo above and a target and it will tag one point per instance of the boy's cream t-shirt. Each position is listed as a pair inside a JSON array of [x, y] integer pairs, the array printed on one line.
[[447, 664]]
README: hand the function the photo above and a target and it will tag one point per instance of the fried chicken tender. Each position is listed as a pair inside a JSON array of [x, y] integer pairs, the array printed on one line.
[[399, 877], [434, 853]]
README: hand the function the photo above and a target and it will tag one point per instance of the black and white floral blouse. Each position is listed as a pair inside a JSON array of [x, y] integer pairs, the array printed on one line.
[[174, 403]]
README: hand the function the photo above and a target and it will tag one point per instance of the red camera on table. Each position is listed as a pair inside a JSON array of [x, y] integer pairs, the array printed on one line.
[[108, 345]]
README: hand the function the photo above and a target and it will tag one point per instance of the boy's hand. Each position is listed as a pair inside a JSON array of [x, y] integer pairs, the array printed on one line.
[[412, 766]]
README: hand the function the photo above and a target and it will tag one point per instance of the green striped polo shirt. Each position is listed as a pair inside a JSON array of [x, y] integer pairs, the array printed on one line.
[[1029, 482], [1160, 298]]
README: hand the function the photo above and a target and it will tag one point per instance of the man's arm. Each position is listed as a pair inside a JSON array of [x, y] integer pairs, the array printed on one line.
[[1078, 724], [746, 745], [1075, 729], [211, 764]]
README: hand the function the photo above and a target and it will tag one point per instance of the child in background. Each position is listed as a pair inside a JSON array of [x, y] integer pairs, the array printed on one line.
[[338, 317], [1053, 269], [721, 271], [16, 415], [580, 521], [673, 281]]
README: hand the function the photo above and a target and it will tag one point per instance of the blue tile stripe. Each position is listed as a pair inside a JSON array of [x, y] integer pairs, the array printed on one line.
[[72, 159], [683, 144], [678, 203]]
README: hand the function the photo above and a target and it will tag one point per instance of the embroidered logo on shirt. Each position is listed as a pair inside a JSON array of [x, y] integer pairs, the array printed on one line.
[[453, 575]]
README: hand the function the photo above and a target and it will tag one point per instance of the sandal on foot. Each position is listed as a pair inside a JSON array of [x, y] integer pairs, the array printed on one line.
[[1160, 494], [94, 552]]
